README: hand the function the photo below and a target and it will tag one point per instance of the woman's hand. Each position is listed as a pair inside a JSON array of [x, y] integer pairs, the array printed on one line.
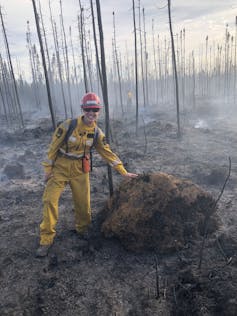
[[130, 175]]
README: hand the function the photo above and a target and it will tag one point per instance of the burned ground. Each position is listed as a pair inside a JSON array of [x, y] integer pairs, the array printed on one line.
[[101, 277]]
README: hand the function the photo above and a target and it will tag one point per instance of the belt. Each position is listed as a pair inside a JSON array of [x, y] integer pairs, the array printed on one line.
[[70, 156]]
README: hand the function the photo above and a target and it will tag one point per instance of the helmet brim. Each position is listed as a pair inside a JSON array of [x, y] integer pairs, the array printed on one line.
[[91, 107]]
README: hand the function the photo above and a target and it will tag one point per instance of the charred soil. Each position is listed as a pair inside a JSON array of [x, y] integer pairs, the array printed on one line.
[[100, 276]]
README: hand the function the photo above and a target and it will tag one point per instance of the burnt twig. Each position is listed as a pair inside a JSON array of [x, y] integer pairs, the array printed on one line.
[[227, 259], [175, 297], [206, 222], [144, 126], [157, 279], [165, 287]]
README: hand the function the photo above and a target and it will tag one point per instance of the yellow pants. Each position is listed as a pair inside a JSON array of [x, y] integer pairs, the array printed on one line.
[[80, 186]]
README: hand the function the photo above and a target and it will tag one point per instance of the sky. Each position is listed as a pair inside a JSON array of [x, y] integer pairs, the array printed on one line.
[[199, 18]]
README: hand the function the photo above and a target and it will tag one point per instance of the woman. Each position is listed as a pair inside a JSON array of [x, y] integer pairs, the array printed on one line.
[[69, 163]]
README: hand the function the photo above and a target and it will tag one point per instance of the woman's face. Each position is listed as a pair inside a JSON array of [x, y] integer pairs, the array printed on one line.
[[91, 115]]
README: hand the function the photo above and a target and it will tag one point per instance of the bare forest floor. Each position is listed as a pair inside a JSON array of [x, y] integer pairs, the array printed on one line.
[[100, 277]]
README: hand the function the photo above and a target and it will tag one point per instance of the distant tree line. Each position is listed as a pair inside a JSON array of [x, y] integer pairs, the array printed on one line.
[[73, 61]]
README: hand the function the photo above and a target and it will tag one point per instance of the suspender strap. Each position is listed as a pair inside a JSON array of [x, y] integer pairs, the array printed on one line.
[[72, 126]]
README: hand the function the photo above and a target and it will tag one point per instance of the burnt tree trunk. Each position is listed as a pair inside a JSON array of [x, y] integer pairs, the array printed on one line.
[[59, 68], [104, 88], [65, 51], [96, 46], [12, 71], [136, 74], [81, 37], [175, 69], [44, 65], [117, 66]]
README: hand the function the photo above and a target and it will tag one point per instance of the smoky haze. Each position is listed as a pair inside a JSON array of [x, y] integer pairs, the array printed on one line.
[[206, 64]]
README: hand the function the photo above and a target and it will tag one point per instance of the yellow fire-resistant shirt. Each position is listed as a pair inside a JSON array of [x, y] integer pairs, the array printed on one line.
[[79, 143]]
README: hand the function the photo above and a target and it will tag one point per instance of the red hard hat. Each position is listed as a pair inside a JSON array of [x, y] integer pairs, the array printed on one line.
[[91, 100]]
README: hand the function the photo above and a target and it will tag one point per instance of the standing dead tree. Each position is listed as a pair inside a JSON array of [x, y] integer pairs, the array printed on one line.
[[59, 66], [235, 62], [226, 64], [47, 53], [4, 99], [6, 90], [33, 66], [135, 55], [74, 62], [141, 55], [44, 64], [155, 63], [145, 57], [19, 110], [113, 78], [104, 88], [82, 42], [128, 68], [194, 81], [117, 65], [174, 68], [206, 89], [95, 44], [183, 67], [161, 77], [65, 53]]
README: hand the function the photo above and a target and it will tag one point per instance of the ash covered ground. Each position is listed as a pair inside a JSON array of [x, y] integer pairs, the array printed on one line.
[[99, 276]]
